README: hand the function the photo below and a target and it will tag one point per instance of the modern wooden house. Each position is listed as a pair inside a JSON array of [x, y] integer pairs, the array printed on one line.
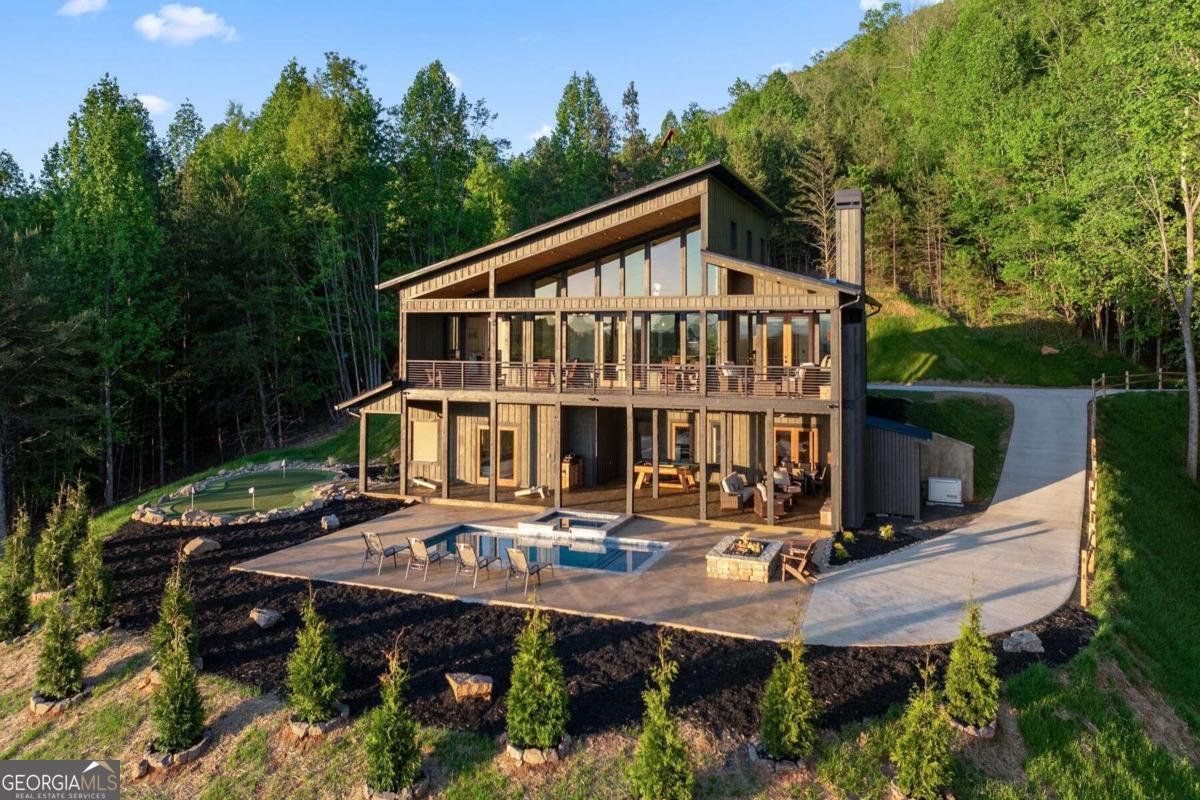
[[641, 355]]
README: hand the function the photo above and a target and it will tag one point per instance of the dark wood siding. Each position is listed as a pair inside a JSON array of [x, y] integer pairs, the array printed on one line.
[[893, 473]]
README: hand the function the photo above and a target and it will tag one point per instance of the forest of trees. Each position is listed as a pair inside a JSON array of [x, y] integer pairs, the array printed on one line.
[[173, 301]]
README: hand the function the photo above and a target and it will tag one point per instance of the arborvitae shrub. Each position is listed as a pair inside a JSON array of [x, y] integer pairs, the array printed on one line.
[[60, 665], [921, 753], [18, 549], [392, 747], [788, 711], [66, 528], [315, 669], [176, 612], [537, 700], [176, 708], [661, 768], [972, 688], [94, 591], [14, 603]]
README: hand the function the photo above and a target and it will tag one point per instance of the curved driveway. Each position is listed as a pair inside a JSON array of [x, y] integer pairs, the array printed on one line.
[[1019, 558]]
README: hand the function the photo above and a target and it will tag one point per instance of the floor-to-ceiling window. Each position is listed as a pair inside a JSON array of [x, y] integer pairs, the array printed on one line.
[[665, 267]]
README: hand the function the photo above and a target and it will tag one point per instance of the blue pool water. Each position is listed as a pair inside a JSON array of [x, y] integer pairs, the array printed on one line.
[[609, 555]]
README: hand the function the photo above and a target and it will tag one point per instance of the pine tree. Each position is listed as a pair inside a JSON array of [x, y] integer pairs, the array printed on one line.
[[788, 712], [392, 746], [94, 591], [922, 749], [14, 603], [176, 708], [66, 528], [661, 769], [176, 612], [60, 665], [972, 688], [315, 669], [537, 700], [18, 550]]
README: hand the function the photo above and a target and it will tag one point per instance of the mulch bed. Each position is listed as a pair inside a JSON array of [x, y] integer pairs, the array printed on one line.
[[607, 663], [868, 544]]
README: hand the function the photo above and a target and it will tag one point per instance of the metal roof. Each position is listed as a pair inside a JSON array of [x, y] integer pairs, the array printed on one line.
[[902, 428]]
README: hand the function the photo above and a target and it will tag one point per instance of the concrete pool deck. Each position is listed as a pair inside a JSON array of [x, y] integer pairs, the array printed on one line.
[[672, 591]]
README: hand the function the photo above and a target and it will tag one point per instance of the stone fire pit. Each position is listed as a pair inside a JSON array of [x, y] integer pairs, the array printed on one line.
[[721, 563]]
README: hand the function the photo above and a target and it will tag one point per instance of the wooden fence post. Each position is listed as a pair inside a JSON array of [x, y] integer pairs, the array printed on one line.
[[1160, 376], [1127, 380]]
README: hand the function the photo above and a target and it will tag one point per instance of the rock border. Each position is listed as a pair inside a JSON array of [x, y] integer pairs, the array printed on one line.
[[418, 789], [757, 754], [41, 707], [157, 762], [533, 756], [339, 487], [975, 732], [301, 730]]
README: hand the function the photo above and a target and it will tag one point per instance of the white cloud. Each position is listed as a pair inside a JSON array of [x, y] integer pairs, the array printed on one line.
[[545, 130], [783, 66], [76, 8], [454, 79], [867, 5], [178, 24], [153, 103]]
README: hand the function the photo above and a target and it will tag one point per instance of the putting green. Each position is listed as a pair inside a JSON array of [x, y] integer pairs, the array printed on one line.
[[274, 489]]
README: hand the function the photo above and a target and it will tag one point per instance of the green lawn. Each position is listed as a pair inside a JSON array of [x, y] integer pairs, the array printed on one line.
[[982, 421], [908, 341], [274, 489]]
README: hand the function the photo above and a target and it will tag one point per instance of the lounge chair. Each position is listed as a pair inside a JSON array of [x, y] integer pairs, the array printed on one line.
[[796, 560], [519, 566], [760, 502], [376, 552], [784, 483], [420, 558], [471, 563], [735, 494]]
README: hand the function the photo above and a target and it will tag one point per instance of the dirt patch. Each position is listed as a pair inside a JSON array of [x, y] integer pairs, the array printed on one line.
[[1002, 757], [1158, 719], [606, 662]]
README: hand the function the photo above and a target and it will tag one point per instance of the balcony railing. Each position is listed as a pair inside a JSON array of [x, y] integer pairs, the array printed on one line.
[[721, 380]]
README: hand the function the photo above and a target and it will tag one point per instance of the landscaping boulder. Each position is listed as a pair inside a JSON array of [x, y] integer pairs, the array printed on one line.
[[536, 755], [330, 522], [42, 707], [1049, 350], [200, 545], [152, 516], [265, 617], [466, 686], [1022, 641], [418, 789], [162, 761], [301, 730]]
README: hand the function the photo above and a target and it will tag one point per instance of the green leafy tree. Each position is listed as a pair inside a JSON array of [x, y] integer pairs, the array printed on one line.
[[18, 550], [314, 669], [392, 744], [788, 711], [60, 664], [94, 590], [536, 714], [176, 615], [921, 753], [14, 603], [972, 688], [176, 707], [661, 769], [65, 531]]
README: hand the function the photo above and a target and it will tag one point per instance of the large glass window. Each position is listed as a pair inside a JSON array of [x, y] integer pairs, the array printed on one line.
[[713, 343], [543, 337], [823, 325], [692, 338], [610, 277], [510, 337], [743, 338], [581, 337], [714, 279], [664, 267], [692, 246], [774, 336], [800, 338], [546, 286], [612, 339], [664, 338], [581, 281], [635, 272], [639, 336]]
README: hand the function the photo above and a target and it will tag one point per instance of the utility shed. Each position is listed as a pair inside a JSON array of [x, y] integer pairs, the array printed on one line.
[[893, 467]]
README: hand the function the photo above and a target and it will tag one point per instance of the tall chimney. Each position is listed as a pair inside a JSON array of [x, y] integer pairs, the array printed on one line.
[[851, 237]]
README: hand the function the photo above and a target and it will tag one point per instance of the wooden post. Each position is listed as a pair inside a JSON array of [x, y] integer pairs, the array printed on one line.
[[703, 350], [402, 467], [629, 370], [769, 463], [629, 459], [557, 485], [493, 449], [402, 365], [654, 454], [701, 443], [362, 451], [444, 447], [1083, 578], [558, 354], [493, 337], [1127, 380], [1160, 379]]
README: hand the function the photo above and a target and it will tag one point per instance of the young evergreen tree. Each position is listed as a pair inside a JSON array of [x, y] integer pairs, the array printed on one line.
[[661, 769], [94, 591], [176, 708], [537, 700], [14, 603], [788, 711], [60, 665], [972, 688], [176, 612], [66, 528], [315, 669], [921, 753], [18, 550], [393, 750]]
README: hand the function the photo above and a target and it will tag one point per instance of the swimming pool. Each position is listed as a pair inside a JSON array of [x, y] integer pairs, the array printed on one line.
[[571, 552], [568, 520]]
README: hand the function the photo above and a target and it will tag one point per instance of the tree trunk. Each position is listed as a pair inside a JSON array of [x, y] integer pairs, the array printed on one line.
[[1184, 307], [109, 463]]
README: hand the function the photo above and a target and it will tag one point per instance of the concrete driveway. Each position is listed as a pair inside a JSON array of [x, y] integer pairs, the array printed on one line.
[[1019, 559]]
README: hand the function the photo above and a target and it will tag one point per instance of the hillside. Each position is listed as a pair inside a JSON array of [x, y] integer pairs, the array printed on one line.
[[908, 341]]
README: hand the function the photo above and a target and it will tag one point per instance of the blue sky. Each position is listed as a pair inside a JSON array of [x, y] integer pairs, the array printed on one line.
[[518, 57]]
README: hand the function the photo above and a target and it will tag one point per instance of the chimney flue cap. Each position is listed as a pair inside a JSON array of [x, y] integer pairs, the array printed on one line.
[[848, 198]]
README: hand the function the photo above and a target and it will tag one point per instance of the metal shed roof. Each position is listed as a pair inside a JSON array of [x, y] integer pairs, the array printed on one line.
[[900, 427]]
